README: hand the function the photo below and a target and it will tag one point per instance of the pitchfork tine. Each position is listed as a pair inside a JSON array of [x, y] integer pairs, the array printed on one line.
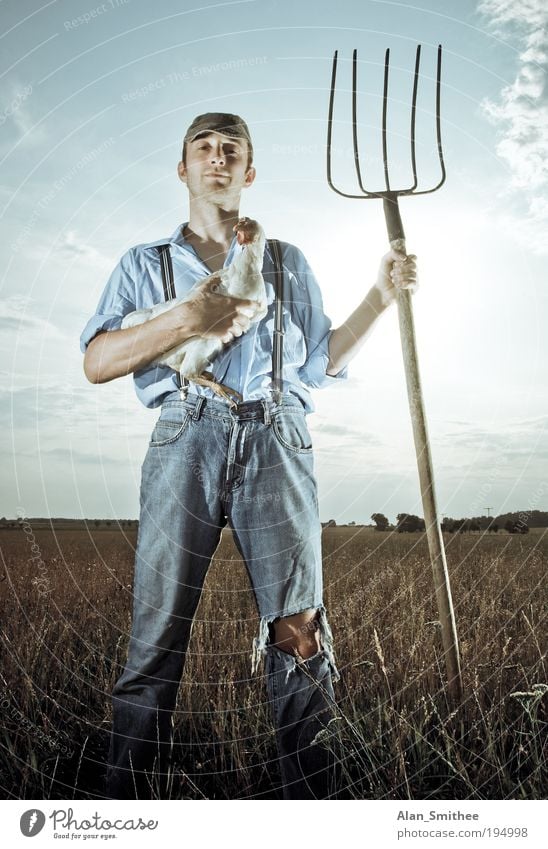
[[413, 115], [355, 119], [384, 109], [330, 120], [438, 121]]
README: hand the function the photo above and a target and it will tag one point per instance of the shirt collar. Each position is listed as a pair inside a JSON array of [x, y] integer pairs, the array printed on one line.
[[178, 237]]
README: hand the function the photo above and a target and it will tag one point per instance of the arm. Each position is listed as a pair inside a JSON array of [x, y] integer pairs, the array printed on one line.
[[116, 353], [396, 272]]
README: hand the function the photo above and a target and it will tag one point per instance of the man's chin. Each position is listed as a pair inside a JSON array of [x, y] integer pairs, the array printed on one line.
[[221, 197]]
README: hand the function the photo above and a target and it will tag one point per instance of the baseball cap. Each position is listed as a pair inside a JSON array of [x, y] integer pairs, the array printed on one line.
[[220, 122]]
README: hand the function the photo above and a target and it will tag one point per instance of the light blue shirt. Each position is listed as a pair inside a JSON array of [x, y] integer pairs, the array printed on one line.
[[245, 364]]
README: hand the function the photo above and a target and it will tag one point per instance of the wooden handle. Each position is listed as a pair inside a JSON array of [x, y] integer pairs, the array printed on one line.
[[424, 462]]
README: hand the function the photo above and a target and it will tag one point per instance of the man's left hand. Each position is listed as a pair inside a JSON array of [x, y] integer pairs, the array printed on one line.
[[396, 271]]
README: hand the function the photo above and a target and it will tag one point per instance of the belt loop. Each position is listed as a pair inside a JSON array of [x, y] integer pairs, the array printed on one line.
[[276, 396], [198, 408], [184, 383], [266, 411]]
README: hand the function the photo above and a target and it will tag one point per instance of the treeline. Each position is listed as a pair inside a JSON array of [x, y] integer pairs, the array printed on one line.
[[76, 524], [513, 523]]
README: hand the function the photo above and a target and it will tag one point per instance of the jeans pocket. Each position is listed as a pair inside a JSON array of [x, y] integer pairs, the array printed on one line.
[[291, 431], [169, 427]]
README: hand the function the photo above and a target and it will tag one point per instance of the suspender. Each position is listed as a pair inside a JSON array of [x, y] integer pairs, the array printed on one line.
[[277, 342], [169, 290], [167, 271]]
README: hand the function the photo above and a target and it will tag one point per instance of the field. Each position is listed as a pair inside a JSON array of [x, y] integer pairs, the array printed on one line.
[[66, 615]]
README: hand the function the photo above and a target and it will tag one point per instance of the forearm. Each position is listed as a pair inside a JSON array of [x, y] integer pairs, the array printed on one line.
[[345, 341], [116, 353]]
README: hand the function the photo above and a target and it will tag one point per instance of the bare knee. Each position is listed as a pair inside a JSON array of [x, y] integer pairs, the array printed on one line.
[[298, 634]]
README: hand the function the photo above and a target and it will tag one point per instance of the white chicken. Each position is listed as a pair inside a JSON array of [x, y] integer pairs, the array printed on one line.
[[241, 279]]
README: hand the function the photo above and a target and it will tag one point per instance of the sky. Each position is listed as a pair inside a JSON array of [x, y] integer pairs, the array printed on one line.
[[95, 99]]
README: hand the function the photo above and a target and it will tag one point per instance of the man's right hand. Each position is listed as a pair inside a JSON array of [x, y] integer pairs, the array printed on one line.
[[211, 315], [206, 313]]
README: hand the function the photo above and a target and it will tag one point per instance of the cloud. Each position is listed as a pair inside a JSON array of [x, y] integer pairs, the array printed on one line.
[[74, 247], [530, 13], [15, 318], [511, 444], [16, 114], [521, 115]]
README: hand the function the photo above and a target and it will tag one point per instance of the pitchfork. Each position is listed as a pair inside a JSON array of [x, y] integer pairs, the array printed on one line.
[[396, 237]]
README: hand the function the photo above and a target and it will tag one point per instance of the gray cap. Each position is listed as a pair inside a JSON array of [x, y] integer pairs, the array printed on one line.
[[220, 122]]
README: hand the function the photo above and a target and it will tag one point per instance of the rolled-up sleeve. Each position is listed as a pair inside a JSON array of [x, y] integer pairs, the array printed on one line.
[[315, 325], [117, 300]]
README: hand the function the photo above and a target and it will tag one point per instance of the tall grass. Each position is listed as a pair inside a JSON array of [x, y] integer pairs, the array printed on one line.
[[396, 735]]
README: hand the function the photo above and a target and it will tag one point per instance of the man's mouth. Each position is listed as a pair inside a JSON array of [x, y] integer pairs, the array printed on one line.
[[215, 174]]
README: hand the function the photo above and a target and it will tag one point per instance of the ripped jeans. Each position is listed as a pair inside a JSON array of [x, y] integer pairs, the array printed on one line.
[[251, 466]]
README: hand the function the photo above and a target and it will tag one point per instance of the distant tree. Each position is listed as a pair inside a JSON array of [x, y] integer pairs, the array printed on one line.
[[519, 527], [331, 523], [408, 523], [381, 522], [97, 522], [473, 525], [495, 528]]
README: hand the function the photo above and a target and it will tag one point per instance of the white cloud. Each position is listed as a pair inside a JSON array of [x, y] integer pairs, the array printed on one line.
[[16, 318], [74, 247], [521, 113], [15, 113], [530, 13]]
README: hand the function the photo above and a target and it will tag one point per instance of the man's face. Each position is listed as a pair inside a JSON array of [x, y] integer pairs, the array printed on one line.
[[216, 168]]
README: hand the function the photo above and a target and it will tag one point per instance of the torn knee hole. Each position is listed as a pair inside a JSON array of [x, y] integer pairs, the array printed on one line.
[[316, 627], [298, 634]]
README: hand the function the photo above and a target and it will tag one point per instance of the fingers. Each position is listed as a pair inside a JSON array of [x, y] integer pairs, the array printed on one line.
[[404, 272], [240, 324]]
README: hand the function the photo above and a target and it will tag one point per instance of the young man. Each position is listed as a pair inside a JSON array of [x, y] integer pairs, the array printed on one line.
[[208, 464]]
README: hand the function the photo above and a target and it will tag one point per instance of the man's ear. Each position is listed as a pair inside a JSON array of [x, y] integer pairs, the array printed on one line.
[[181, 171], [250, 176]]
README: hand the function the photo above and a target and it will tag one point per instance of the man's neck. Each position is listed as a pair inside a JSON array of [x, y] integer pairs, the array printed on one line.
[[209, 223]]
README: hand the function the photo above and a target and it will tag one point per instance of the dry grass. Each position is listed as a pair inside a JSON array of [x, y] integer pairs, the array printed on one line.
[[396, 734]]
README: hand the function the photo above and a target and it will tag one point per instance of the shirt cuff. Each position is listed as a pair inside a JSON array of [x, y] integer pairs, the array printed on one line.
[[97, 323], [314, 371]]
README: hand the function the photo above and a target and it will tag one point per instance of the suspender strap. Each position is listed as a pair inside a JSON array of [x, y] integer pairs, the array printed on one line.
[[166, 267], [167, 271], [277, 344]]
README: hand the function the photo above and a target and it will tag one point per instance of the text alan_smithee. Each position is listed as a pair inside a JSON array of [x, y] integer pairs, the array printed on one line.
[[435, 815]]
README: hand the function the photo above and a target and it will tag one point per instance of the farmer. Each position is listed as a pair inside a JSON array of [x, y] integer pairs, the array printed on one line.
[[209, 463]]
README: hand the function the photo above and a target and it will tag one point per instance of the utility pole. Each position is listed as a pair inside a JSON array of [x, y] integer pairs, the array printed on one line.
[[488, 509]]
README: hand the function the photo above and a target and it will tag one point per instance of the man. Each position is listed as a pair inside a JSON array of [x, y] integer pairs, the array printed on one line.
[[208, 464]]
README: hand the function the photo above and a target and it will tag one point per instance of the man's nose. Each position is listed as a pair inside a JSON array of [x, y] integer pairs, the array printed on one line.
[[218, 158]]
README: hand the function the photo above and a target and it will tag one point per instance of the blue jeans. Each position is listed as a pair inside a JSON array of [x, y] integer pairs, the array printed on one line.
[[253, 467]]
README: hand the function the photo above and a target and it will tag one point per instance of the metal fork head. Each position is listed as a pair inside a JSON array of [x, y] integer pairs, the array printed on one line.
[[389, 191]]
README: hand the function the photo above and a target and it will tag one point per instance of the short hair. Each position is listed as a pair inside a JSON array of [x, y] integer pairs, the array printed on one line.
[[224, 123]]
